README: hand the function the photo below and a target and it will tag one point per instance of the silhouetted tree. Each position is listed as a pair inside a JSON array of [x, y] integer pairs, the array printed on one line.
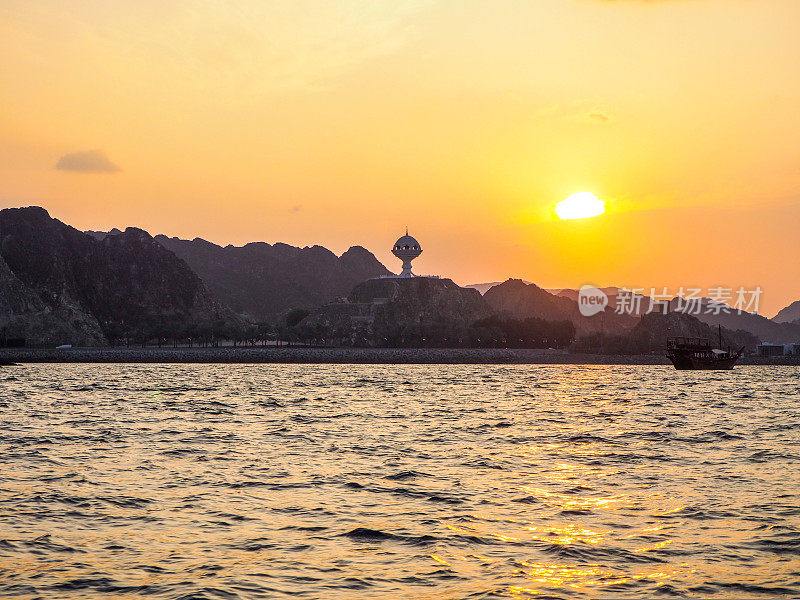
[[531, 332], [294, 316]]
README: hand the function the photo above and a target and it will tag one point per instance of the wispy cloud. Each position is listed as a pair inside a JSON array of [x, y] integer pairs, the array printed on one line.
[[598, 116], [89, 161]]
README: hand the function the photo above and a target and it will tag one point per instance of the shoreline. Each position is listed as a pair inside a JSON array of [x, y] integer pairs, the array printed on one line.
[[308, 355]]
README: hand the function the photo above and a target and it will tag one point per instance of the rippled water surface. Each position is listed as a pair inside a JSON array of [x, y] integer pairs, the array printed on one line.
[[331, 481]]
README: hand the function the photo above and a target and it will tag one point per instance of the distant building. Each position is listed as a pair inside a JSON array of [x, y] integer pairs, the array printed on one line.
[[792, 349], [770, 350]]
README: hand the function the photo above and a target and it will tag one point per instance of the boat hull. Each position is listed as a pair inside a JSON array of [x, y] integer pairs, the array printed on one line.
[[692, 363]]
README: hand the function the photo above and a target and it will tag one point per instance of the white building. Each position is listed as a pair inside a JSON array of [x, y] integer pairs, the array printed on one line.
[[407, 249]]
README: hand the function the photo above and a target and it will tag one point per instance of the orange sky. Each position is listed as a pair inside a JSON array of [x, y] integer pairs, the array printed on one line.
[[340, 123]]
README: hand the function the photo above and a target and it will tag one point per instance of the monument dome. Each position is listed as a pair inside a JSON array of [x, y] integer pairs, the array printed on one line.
[[406, 249]]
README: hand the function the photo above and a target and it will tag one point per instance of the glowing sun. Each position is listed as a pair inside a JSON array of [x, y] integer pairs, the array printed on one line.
[[580, 206]]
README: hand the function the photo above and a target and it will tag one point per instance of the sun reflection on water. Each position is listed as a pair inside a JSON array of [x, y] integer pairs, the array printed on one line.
[[567, 534], [568, 502], [555, 576]]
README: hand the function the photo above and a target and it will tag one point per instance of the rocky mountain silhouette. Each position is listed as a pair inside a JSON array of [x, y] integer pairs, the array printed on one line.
[[766, 330], [780, 329], [636, 304], [521, 300], [398, 311], [101, 235], [485, 287], [264, 281], [659, 327], [25, 316], [124, 285], [789, 314]]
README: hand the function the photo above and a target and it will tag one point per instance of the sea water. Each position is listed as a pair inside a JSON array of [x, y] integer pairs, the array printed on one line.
[[413, 481]]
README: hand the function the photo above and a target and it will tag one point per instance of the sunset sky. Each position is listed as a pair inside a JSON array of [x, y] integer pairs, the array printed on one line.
[[341, 123]]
